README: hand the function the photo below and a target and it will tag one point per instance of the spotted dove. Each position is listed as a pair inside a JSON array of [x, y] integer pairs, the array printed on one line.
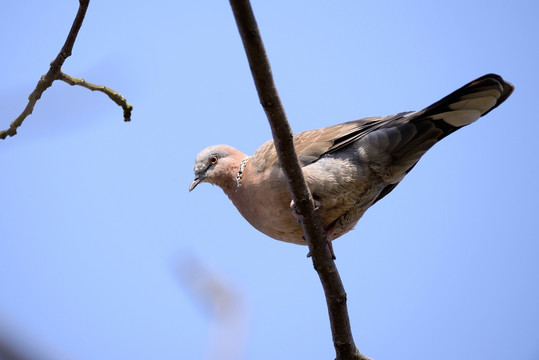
[[348, 167]]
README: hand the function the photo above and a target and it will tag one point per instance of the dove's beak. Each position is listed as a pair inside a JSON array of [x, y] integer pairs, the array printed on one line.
[[198, 180]]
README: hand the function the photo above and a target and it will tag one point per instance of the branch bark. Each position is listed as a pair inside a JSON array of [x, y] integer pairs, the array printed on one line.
[[345, 347], [55, 73], [113, 95]]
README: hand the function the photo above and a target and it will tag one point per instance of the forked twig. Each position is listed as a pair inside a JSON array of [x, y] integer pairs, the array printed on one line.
[[55, 73]]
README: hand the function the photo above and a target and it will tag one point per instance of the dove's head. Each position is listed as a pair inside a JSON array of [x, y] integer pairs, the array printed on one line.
[[218, 165]]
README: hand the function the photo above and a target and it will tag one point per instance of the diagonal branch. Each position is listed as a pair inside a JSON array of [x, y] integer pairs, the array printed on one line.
[[312, 227], [54, 73]]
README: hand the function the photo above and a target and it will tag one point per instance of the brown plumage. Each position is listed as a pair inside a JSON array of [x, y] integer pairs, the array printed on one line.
[[348, 167]]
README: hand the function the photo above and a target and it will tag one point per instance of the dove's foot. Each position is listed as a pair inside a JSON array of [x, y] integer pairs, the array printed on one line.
[[295, 212], [330, 246]]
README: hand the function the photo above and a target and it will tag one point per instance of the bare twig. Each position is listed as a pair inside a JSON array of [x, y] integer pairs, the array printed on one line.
[[113, 95], [312, 227], [54, 74]]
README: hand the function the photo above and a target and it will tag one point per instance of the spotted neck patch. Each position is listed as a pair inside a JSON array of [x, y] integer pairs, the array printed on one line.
[[239, 176]]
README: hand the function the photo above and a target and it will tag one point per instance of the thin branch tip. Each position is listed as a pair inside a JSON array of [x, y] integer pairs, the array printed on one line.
[[113, 95]]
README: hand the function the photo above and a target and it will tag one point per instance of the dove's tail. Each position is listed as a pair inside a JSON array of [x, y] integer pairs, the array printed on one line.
[[407, 138], [467, 104]]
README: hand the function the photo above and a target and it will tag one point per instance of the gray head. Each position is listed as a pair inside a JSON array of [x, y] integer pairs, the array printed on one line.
[[217, 165]]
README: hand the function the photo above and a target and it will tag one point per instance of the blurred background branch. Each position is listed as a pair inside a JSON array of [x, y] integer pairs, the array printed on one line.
[[224, 305], [18, 344]]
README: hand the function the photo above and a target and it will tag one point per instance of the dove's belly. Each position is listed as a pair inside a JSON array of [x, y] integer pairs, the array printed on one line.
[[266, 205]]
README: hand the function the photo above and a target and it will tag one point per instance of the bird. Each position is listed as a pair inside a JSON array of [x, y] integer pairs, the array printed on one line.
[[348, 167]]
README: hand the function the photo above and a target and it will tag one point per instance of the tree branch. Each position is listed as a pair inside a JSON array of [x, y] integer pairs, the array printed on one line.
[[113, 95], [54, 73], [283, 139]]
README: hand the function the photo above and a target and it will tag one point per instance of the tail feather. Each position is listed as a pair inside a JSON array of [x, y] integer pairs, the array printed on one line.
[[469, 103], [410, 137]]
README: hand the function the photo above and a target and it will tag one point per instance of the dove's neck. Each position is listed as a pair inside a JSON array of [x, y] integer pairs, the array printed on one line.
[[241, 171], [231, 174], [233, 190]]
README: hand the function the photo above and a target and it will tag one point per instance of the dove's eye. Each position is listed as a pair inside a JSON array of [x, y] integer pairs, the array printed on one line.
[[213, 160]]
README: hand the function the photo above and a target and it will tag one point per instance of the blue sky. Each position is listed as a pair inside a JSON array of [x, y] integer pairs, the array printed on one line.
[[104, 254]]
